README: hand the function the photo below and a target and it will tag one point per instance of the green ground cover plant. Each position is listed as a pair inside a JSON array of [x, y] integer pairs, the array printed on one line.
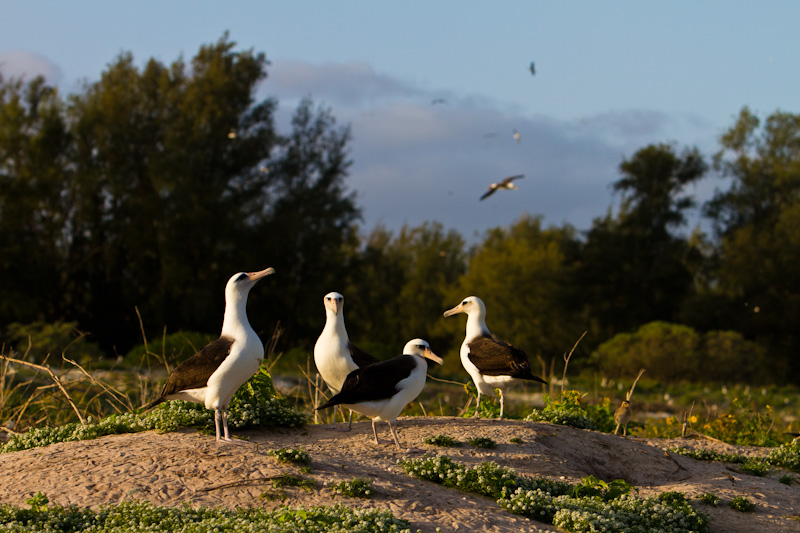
[[137, 516], [443, 441], [355, 488], [553, 502]]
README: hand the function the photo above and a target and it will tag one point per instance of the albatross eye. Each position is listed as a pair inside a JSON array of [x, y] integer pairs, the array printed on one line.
[[242, 277]]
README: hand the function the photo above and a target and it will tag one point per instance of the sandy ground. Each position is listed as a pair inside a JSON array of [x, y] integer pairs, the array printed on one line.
[[170, 469]]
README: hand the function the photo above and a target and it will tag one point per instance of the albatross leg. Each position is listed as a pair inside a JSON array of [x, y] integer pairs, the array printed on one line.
[[393, 429], [478, 406], [217, 421], [375, 431], [502, 403]]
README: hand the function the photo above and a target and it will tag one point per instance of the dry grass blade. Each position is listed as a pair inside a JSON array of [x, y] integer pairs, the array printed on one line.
[[55, 379], [566, 361], [630, 392], [119, 397]]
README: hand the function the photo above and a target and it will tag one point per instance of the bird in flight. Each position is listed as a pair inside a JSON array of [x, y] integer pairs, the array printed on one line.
[[533, 69], [505, 184], [517, 136]]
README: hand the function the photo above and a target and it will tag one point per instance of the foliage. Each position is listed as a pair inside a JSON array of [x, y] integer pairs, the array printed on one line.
[[441, 440], [742, 504], [787, 479], [551, 502], [355, 488], [786, 456], [153, 183], [51, 340], [743, 425], [708, 498], [597, 488], [255, 404], [171, 348], [294, 481], [567, 410], [288, 455], [142, 516], [482, 442], [674, 352]]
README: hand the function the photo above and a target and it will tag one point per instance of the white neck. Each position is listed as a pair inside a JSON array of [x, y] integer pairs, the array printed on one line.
[[235, 323], [476, 326], [334, 325]]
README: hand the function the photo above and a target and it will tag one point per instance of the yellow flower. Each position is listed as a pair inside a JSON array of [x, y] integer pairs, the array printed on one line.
[[693, 419]]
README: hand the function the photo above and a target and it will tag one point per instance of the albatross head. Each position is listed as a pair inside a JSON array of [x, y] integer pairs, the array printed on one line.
[[239, 285], [421, 348], [471, 305], [334, 303]]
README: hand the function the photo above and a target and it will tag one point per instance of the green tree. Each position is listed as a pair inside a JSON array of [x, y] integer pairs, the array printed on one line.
[[756, 279], [633, 268], [522, 273], [152, 186], [400, 286]]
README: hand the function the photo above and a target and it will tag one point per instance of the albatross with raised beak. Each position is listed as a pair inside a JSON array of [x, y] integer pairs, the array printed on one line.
[[215, 373]]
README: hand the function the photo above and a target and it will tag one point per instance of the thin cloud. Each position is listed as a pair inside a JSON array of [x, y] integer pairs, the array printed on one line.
[[27, 65]]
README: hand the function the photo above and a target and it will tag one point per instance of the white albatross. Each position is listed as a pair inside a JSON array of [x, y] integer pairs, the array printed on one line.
[[334, 355], [503, 184], [215, 373], [382, 390], [490, 362]]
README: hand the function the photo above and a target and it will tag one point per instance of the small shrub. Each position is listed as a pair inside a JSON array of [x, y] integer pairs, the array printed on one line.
[[709, 498], [356, 488], [787, 479], [786, 456], [294, 481], [566, 411], [482, 442], [288, 455], [742, 504], [443, 441], [516, 440], [755, 467], [593, 487]]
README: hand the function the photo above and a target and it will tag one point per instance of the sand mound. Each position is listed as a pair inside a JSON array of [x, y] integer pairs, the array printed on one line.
[[170, 469]]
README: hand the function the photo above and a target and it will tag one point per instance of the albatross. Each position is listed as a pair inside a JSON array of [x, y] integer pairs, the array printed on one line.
[[490, 362], [383, 389], [504, 184], [334, 355], [215, 373]]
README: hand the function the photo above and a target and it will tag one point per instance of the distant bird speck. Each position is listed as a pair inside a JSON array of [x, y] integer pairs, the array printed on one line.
[[533, 69], [438, 101], [505, 184], [517, 136]]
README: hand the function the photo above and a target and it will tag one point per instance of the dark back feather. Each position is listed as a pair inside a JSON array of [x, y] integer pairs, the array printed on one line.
[[497, 358], [360, 357], [377, 381], [194, 372]]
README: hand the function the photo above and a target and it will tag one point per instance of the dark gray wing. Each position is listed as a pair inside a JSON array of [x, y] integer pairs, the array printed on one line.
[[497, 358], [374, 382], [195, 371], [360, 357]]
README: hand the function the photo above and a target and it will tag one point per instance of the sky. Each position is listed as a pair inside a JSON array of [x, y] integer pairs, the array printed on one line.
[[610, 78]]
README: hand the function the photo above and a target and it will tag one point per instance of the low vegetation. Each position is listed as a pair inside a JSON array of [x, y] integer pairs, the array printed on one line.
[[592, 506]]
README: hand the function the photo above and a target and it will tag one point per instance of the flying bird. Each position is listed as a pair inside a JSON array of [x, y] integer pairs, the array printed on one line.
[[334, 355], [382, 390], [215, 373], [517, 136], [436, 101], [505, 184], [492, 363], [533, 68]]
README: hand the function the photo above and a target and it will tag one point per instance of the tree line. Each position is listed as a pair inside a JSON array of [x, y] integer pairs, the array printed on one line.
[[145, 191]]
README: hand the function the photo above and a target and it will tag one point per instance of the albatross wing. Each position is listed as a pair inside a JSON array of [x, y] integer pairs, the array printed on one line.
[[497, 358], [195, 371]]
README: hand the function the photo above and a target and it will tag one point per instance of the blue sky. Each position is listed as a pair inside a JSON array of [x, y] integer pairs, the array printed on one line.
[[611, 77]]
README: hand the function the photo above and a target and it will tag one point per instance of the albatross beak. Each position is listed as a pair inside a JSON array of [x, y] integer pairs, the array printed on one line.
[[433, 357], [454, 311], [255, 276]]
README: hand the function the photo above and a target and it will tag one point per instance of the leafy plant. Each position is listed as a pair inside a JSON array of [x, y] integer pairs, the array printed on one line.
[[288, 455], [567, 410], [742, 504], [787, 479], [482, 442], [597, 488], [143, 516], [443, 441], [294, 481], [516, 440], [708, 498], [355, 488]]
